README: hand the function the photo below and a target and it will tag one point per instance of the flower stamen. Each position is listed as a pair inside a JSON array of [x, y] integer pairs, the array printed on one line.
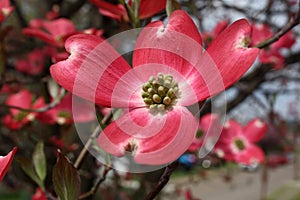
[[160, 92]]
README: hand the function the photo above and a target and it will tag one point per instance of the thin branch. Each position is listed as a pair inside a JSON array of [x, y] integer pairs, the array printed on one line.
[[95, 133], [95, 187], [292, 23], [164, 179]]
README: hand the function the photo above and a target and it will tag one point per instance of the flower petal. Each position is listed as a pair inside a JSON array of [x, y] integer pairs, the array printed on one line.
[[251, 155], [171, 46], [255, 130], [5, 162], [230, 131], [92, 70], [21, 99], [154, 139], [149, 8], [225, 61]]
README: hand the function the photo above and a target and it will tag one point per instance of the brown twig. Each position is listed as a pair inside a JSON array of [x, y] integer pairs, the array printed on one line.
[[95, 133], [292, 23], [93, 190], [164, 179]]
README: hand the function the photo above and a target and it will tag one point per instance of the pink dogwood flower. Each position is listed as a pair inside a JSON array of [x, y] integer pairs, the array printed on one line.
[[208, 127], [237, 143], [5, 9], [170, 72], [5, 162], [271, 54]]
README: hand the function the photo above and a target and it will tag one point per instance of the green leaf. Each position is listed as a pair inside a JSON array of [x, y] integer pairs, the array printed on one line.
[[39, 161], [66, 179], [28, 168]]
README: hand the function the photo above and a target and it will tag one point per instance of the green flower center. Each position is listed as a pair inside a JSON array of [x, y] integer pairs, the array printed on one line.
[[239, 144], [160, 92]]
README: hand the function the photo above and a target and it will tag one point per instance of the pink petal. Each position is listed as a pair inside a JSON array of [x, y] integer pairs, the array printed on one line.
[[171, 46], [255, 130], [46, 37], [92, 70], [251, 155], [286, 41], [115, 10], [21, 99], [230, 131], [149, 8], [225, 61], [5, 162], [60, 27], [159, 139]]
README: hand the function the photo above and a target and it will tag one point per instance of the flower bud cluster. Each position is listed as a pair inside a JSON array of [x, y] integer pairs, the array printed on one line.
[[160, 93]]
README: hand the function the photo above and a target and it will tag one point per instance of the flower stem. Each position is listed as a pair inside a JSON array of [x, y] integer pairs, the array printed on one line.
[[84, 150]]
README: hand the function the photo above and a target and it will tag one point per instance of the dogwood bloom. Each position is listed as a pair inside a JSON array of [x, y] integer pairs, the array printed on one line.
[[5, 162], [271, 54], [237, 143], [170, 71]]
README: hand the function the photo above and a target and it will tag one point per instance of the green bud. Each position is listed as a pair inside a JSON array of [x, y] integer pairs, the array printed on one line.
[[167, 101], [161, 107], [151, 78], [167, 83], [148, 101], [171, 93], [153, 107], [151, 91], [146, 86], [161, 90], [145, 94], [156, 98]]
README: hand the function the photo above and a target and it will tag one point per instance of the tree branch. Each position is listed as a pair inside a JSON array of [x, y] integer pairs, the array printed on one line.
[[164, 179]]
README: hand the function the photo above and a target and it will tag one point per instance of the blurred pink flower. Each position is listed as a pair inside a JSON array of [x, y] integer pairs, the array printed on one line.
[[5, 9], [237, 143], [271, 54], [17, 118], [33, 64]]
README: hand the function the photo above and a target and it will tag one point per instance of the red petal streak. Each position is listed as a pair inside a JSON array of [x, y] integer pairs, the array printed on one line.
[[159, 138]]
